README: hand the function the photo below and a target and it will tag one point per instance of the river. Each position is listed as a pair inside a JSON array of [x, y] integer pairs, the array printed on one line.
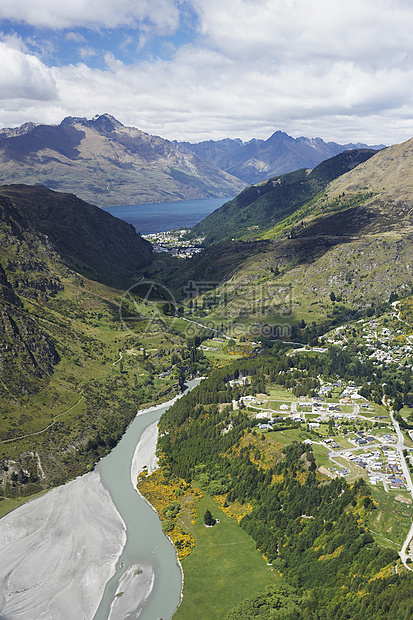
[[147, 548], [68, 554]]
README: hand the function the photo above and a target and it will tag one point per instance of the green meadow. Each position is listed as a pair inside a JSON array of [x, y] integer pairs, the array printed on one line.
[[223, 564]]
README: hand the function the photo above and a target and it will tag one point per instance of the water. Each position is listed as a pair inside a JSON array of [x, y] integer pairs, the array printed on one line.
[[158, 217], [146, 545]]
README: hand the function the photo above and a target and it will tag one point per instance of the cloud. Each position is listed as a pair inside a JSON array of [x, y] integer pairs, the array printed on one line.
[[299, 30], [203, 94], [162, 14], [87, 52], [323, 68], [76, 37], [23, 76]]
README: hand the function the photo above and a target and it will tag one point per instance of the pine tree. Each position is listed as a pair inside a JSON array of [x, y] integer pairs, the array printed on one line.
[[209, 519]]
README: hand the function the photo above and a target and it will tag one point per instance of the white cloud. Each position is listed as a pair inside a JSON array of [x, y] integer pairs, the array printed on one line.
[[162, 14], [76, 37], [203, 94], [323, 68], [86, 52], [23, 76], [370, 31]]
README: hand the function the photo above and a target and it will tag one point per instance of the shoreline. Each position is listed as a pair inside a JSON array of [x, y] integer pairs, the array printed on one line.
[[139, 463]]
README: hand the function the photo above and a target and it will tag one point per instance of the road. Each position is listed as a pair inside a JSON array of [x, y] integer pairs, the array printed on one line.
[[409, 484]]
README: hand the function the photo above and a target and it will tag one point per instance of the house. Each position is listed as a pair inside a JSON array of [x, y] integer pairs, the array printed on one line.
[[376, 466], [360, 463], [343, 472]]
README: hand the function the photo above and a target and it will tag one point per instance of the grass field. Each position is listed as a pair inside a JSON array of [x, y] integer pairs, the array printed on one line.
[[224, 567], [392, 520], [288, 436]]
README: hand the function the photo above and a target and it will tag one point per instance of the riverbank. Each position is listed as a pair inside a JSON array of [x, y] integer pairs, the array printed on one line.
[[58, 551], [136, 584]]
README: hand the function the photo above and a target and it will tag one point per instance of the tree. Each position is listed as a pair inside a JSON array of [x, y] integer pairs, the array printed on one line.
[[209, 519]]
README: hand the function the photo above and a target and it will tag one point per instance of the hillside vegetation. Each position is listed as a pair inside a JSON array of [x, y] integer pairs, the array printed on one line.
[[72, 374], [259, 207], [312, 532]]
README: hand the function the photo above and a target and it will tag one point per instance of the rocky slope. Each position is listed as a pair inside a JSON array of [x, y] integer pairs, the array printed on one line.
[[106, 163]]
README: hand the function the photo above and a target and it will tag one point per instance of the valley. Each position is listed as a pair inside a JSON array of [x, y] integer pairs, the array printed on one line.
[[297, 441]]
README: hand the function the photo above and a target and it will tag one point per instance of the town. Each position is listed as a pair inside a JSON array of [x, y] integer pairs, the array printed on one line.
[[173, 242]]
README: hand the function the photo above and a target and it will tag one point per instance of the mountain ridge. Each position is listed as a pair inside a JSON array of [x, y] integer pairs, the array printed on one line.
[[105, 162], [260, 206], [88, 240], [256, 161]]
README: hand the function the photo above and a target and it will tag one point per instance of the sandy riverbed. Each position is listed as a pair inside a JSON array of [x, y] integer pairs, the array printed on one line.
[[57, 553]]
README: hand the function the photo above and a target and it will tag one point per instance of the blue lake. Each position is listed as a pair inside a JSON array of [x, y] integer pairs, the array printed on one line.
[[158, 217]]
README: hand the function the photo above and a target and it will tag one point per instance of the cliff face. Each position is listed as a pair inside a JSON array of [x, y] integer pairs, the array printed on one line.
[[27, 351]]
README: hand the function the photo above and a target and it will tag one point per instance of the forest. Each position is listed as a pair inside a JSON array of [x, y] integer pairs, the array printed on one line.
[[310, 529]]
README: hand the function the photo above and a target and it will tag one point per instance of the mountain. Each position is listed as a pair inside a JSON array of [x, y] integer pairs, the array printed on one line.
[[383, 189], [71, 374], [259, 207], [354, 238], [47, 239], [104, 162], [258, 160], [88, 240]]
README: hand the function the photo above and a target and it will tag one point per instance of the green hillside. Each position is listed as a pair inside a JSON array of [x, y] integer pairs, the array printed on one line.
[[259, 207], [72, 373]]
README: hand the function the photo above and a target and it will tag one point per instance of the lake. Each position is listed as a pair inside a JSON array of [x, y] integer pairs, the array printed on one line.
[[158, 217]]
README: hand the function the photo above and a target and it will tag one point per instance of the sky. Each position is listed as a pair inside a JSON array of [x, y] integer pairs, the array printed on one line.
[[211, 69]]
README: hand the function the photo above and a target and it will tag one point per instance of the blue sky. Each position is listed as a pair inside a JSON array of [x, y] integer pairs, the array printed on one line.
[[207, 69]]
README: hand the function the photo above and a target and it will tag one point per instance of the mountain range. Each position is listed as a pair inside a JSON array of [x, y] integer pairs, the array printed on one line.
[[258, 160], [259, 207], [106, 163], [351, 236]]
